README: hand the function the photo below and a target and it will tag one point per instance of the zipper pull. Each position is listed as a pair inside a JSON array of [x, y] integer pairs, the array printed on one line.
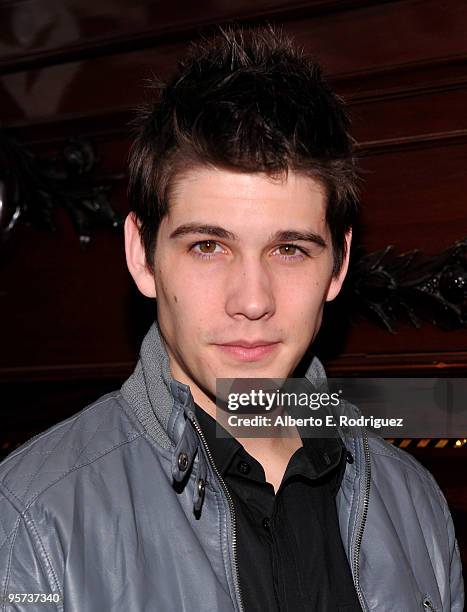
[[427, 604], [201, 476]]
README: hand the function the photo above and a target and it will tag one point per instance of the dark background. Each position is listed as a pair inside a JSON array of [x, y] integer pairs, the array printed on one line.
[[71, 321]]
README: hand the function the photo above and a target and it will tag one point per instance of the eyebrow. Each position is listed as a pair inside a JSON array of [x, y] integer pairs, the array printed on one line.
[[220, 232]]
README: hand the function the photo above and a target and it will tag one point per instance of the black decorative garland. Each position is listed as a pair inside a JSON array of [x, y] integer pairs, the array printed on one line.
[[408, 286], [32, 187]]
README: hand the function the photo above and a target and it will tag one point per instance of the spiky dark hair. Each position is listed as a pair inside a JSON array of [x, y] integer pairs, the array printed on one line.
[[245, 99]]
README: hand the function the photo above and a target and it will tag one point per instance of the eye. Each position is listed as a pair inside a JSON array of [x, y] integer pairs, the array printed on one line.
[[206, 249], [289, 252]]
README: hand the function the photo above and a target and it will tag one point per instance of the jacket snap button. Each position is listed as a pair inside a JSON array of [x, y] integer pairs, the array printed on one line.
[[201, 486], [349, 457], [183, 461], [266, 522]]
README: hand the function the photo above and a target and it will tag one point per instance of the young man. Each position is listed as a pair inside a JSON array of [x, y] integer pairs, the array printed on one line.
[[243, 198]]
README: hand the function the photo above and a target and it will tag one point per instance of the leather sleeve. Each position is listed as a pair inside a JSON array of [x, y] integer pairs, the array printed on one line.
[[25, 565], [455, 576], [453, 595]]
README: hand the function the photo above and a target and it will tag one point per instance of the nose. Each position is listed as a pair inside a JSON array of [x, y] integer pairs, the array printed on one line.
[[249, 290]]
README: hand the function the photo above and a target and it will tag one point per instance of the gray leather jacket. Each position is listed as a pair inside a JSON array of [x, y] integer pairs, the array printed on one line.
[[120, 507]]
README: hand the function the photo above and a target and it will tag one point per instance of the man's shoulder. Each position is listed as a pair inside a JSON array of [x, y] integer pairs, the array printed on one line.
[[401, 471], [70, 445]]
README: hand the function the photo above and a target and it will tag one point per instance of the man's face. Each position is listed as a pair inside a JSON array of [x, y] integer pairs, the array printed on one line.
[[224, 275]]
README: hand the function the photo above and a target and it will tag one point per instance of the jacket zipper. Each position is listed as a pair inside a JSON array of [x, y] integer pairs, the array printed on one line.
[[359, 538], [232, 513]]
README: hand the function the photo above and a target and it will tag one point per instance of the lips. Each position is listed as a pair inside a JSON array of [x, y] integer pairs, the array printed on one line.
[[242, 350], [248, 343]]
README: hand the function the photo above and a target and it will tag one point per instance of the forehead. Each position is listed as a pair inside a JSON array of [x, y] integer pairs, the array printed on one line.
[[226, 194]]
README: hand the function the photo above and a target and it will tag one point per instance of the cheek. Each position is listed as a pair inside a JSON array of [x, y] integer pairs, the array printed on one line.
[[196, 288], [302, 306], [303, 296], [188, 300]]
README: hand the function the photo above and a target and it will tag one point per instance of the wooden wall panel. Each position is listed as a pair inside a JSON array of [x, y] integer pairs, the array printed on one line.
[[38, 33], [381, 117], [412, 196], [354, 39]]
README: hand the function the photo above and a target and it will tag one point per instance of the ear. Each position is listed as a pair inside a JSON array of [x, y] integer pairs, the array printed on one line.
[[336, 281], [136, 258]]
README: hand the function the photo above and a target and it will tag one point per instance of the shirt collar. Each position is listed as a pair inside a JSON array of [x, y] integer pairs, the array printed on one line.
[[324, 454]]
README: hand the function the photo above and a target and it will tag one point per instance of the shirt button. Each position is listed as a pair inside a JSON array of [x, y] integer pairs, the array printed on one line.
[[243, 467], [266, 522]]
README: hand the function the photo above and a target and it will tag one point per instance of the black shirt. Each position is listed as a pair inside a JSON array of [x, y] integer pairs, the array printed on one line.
[[290, 553]]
